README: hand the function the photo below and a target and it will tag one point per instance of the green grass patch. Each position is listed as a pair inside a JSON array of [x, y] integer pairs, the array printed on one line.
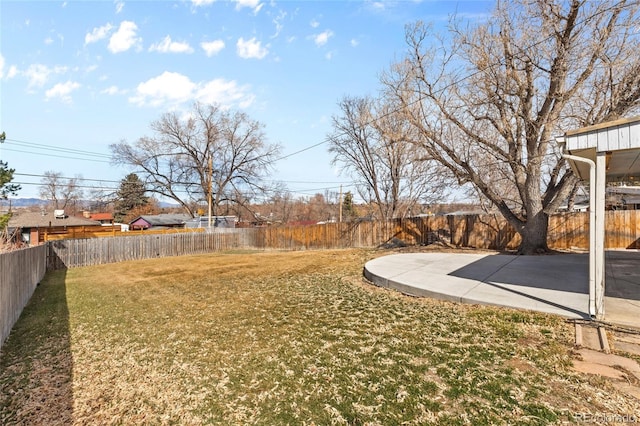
[[279, 338]]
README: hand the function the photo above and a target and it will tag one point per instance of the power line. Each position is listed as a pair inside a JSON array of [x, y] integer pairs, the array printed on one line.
[[68, 178], [57, 156], [348, 183], [55, 148], [300, 151], [76, 186], [300, 191]]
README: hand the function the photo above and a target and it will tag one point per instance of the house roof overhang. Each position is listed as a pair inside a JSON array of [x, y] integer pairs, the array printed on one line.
[[619, 140]]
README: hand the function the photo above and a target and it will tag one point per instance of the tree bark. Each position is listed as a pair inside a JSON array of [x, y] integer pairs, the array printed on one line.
[[534, 234]]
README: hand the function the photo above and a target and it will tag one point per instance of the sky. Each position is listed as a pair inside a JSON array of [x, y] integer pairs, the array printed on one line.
[[77, 76]]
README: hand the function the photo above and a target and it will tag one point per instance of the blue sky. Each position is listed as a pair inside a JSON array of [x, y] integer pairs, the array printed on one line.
[[77, 76]]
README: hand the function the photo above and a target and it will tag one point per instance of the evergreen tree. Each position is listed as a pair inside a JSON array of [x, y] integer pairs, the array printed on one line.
[[6, 188], [6, 176], [130, 196], [348, 210]]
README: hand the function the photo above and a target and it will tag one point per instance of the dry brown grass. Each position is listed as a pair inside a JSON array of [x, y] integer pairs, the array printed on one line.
[[281, 338]]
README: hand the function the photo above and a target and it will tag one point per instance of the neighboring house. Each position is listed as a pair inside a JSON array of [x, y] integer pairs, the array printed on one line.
[[103, 218], [216, 222], [159, 221], [32, 226], [624, 197]]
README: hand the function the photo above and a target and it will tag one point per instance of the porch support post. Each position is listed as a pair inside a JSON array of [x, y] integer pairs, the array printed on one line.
[[592, 229], [601, 170]]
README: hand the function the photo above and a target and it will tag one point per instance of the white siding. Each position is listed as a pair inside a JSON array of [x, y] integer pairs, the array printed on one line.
[[616, 137], [634, 136]]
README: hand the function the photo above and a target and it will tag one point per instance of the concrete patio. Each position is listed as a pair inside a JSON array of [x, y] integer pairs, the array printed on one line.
[[556, 284]]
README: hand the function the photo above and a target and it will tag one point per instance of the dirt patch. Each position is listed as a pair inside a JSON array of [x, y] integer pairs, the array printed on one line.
[[521, 365]]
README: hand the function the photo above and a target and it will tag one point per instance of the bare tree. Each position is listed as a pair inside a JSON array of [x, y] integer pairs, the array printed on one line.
[[60, 191], [175, 162], [281, 204], [370, 143], [486, 101]]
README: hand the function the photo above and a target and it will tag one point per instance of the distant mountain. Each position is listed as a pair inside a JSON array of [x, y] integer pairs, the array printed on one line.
[[23, 202]]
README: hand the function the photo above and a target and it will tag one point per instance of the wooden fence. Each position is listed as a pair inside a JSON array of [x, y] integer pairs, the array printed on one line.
[[21, 270], [96, 251], [566, 231]]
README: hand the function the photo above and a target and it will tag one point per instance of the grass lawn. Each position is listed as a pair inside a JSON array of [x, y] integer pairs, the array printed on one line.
[[281, 338]]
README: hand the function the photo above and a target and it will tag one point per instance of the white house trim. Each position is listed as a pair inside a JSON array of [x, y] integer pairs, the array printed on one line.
[[604, 152]]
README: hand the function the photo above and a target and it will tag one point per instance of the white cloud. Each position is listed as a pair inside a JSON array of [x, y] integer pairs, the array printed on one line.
[[113, 90], [38, 74], [225, 93], [13, 71], [322, 38], [277, 21], [98, 33], [48, 41], [62, 91], [354, 42], [172, 89], [168, 87], [378, 6], [169, 46], [119, 6], [252, 4], [202, 2], [124, 38], [314, 23], [212, 48], [251, 49]]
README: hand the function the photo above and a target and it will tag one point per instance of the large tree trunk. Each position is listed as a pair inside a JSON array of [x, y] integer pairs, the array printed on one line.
[[534, 234]]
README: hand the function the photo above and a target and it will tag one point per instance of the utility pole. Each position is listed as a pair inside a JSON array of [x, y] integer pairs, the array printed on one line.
[[210, 188], [3, 136], [340, 202]]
